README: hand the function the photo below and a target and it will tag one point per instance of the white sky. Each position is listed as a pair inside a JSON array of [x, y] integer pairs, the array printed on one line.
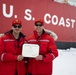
[[65, 63]]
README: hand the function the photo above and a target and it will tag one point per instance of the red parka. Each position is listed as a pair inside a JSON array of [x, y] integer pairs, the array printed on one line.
[[47, 49], [10, 48]]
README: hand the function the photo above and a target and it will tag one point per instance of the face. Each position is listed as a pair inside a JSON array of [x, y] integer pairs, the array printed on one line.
[[16, 28], [39, 27]]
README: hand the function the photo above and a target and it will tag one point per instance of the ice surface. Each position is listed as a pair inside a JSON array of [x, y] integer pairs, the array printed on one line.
[[65, 63]]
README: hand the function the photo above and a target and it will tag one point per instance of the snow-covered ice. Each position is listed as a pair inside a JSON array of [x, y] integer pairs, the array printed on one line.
[[65, 63]]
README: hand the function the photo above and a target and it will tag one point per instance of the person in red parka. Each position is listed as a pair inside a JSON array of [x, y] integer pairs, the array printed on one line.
[[43, 63], [11, 59]]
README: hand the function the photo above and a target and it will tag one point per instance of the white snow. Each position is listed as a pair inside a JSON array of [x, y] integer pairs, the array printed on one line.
[[65, 63]]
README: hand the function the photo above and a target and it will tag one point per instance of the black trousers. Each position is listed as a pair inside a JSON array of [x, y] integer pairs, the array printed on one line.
[[29, 74]]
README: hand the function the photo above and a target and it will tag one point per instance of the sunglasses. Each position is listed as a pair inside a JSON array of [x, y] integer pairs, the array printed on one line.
[[15, 26], [38, 25]]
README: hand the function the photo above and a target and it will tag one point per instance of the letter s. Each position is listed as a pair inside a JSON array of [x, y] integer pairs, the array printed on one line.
[[28, 15]]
